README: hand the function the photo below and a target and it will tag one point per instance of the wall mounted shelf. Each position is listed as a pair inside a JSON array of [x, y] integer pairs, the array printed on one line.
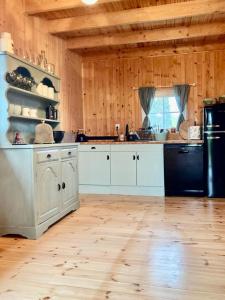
[[32, 95], [10, 96], [33, 119]]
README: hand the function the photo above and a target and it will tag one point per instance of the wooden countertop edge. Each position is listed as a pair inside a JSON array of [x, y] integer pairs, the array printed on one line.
[[143, 142]]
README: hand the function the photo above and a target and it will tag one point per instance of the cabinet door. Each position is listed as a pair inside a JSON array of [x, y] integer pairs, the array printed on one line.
[[69, 182], [150, 167], [123, 168], [94, 168], [48, 194]]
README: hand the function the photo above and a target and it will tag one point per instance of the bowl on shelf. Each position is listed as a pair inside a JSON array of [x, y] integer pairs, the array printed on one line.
[[209, 101], [58, 136]]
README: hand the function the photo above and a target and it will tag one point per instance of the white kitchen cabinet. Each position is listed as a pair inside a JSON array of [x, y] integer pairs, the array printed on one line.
[[150, 170], [48, 196], [123, 168], [135, 169], [69, 182], [39, 186], [94, 167]]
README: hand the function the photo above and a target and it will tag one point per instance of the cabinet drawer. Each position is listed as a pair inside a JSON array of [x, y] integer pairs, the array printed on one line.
[[67, 153], [93, 147], [43, 156]]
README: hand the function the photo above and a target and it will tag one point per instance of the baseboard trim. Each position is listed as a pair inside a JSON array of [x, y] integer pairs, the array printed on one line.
[[122, 190]]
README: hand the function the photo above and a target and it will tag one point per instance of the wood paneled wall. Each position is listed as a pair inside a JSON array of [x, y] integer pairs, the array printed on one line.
[[108, 94], [30, 34]]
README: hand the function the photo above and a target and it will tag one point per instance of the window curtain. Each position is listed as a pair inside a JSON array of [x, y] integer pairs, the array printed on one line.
[[181, 92], [146, 95]]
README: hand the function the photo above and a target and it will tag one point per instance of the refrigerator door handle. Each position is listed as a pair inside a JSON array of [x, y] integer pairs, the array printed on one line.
[[213, 137], [212, 126]]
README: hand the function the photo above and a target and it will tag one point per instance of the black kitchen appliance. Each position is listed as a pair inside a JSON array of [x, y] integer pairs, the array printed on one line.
[[183, 170], [214, 140]]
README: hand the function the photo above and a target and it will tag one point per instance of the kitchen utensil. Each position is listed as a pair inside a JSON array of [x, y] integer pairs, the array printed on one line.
[[51, 92], [33, 112], [6, 42], [11, 108], [183, 129], [58, 135], [51, 68], [194, 132], [45, 90], [50, 112], [26, 111], [55, 113], [43, 134], [39, 88], [81, 137], [133, 136], [161, 136], [121, 137], [17, 109]]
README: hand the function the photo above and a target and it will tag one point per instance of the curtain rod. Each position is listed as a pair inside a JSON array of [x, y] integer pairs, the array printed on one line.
[[165, 86]]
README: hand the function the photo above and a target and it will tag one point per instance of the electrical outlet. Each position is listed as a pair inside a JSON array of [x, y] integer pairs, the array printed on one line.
[[117, 126]]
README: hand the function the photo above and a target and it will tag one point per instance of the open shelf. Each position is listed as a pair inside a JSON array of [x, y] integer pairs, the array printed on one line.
[[32, 94], [18, 58], [33, 119]]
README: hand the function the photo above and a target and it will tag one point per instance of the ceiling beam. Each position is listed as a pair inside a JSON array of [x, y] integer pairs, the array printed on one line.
[[36, 7], [194, 8], [145, 36]]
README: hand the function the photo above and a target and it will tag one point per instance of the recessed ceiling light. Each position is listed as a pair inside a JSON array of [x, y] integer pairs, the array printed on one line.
[[89, 2]]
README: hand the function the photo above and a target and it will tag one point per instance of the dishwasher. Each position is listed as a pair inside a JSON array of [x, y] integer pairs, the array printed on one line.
[[184, 170]]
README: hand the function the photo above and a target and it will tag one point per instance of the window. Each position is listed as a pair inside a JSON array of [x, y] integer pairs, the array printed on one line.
[[164, 112]]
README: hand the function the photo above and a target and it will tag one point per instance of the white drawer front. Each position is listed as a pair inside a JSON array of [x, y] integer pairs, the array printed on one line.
[[93, 147], [67, 153], [47, 155]]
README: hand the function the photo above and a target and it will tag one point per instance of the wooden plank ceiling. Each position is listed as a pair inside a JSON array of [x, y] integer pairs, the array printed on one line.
[[113, 24]]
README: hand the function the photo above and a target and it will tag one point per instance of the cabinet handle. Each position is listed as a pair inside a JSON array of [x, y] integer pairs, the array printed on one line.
[[138, 157], [93, 148], [107, 157], [59, 187], [134, 157], [49, 156], [183, 151], [63, 185], [69, 153]]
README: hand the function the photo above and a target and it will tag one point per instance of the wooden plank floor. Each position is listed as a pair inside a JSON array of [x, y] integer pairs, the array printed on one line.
[[122, 247]]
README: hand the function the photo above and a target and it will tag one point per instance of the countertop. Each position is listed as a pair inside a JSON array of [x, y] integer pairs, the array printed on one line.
[[38, 146], [142, 142]]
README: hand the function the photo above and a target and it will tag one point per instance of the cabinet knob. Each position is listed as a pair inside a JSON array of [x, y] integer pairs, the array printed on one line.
[[59, 187], [107, 157], [63, 185], [138, 157], [69, 153], [134, 157], [49, 156], [93, 147]]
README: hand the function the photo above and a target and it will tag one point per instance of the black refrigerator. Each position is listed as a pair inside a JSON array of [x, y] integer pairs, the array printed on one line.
[[214, 151]]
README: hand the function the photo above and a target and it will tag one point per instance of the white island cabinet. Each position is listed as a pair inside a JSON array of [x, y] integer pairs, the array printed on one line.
[[134, 169], [39, 185]]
